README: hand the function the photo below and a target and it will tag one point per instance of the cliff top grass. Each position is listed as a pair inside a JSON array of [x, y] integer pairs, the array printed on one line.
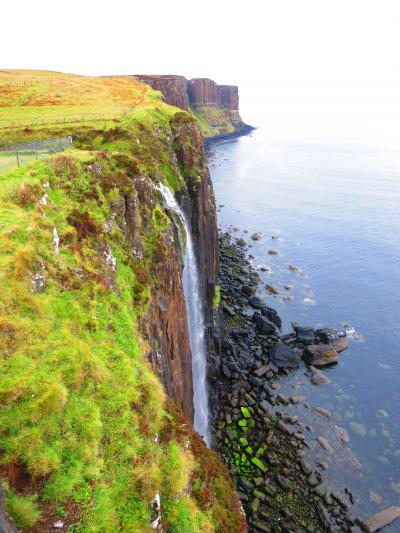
[[35, 99]]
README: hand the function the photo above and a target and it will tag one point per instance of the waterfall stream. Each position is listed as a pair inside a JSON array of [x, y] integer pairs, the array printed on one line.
[[195, 314]]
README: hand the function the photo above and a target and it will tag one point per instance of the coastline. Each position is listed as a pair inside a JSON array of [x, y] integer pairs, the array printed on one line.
[[246, 129]]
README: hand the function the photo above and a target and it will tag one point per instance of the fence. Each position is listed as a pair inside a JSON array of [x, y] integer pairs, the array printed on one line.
[[15, 156], [70, 119]]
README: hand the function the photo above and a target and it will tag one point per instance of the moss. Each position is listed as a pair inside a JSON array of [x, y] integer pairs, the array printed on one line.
[[258, 463], [217, 297], [245, 412]]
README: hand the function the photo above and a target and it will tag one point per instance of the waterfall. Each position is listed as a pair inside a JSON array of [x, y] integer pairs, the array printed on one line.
[[195, 314]]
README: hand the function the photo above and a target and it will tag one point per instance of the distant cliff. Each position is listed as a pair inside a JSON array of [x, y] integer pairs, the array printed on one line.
[[215, 106]]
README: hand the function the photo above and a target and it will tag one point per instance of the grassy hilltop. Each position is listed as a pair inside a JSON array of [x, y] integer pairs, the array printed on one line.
[[87, 435]]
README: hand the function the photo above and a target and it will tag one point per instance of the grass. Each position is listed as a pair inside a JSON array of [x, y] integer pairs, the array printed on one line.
[[81, 405], [36, 98]]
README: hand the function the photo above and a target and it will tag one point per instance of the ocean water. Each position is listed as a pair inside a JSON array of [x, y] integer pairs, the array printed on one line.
[[335, 208]]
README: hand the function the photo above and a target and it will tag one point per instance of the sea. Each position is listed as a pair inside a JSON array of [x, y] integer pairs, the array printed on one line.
[[330, 207]]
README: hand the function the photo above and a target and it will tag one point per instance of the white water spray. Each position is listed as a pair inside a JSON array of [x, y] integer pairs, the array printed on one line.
[[195, 313]]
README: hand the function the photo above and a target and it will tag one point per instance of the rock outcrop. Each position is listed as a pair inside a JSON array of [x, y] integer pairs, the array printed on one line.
[[216, 106]]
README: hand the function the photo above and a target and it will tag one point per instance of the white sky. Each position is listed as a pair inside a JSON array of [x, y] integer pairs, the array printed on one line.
[[313, 66]]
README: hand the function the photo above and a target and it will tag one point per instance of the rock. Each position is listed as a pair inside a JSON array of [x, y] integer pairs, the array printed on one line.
[[226, 372], [247, 290], [271, 289], [343, 435], [58, 525], [272, 316], [256, 236], [264, 327], [293, 267], [325, 445], [241, 242], [256, 302], [261, 371], [318, 377], [227, 309], [322, 412], [320, 355], [284, 357], [288, 287], [340, 344], [273, 251], [264, 406], [374, 497], [358, 428], [382, 519], [305, 334]]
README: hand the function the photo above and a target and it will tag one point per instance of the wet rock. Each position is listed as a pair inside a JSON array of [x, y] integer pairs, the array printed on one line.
[[271, 289], [229, 310], [343, 435], [284, 357], [226, 372], [256, 302], [374, 497], [322, 412], [241, 242], [256, 236], [340, 344], [320, 355], [382, 519], [305, 334], [318, 377], [247, 290], [264, 326], [273, 251], [325, 445], [272, 316], [358, 428], [293, 267]]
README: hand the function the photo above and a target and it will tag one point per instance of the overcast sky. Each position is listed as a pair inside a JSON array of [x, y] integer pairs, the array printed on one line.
[[297, 62]]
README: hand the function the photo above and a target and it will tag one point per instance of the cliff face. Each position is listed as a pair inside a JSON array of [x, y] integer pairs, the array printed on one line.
[[215, 106]]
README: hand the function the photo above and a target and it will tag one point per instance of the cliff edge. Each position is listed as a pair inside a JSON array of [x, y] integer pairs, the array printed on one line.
[[216, 107]]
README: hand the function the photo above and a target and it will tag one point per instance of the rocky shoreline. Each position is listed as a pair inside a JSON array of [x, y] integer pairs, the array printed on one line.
[[262, 445]]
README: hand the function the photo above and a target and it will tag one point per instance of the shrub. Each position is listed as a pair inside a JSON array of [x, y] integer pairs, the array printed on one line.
[[26, 194]]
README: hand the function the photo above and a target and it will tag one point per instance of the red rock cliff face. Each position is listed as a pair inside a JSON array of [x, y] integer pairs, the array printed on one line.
[[199, 201], [173, 88], [180, 92], [165, 323]]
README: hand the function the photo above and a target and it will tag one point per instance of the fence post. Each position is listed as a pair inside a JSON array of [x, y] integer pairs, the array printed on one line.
[[16, 153]]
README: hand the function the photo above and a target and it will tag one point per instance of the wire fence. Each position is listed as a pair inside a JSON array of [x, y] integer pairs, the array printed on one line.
[[6, 124], [22, 154]]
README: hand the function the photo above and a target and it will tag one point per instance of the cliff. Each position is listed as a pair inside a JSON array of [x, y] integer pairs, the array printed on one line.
[[93, 325], [216, 107]]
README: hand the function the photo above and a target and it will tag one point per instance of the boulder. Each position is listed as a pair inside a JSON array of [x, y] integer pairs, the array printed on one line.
[[272, 316], [320, 355], [256, 236], [241, 242], [264, 326], [305, 334], [340, 344], [382, 519], [283, 356], [256, 302], [248, 291], [273, 251]]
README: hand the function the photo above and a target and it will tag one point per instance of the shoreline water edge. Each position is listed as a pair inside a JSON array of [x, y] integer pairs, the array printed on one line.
[[255, 431]]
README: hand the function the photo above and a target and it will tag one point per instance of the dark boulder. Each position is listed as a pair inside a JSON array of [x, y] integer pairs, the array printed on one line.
[[264, 326], [305, 334], [283, 356], [256, 302], [272, 316], [248, 291]]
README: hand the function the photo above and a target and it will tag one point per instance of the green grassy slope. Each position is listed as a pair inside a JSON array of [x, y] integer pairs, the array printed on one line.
[[86, 434]]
